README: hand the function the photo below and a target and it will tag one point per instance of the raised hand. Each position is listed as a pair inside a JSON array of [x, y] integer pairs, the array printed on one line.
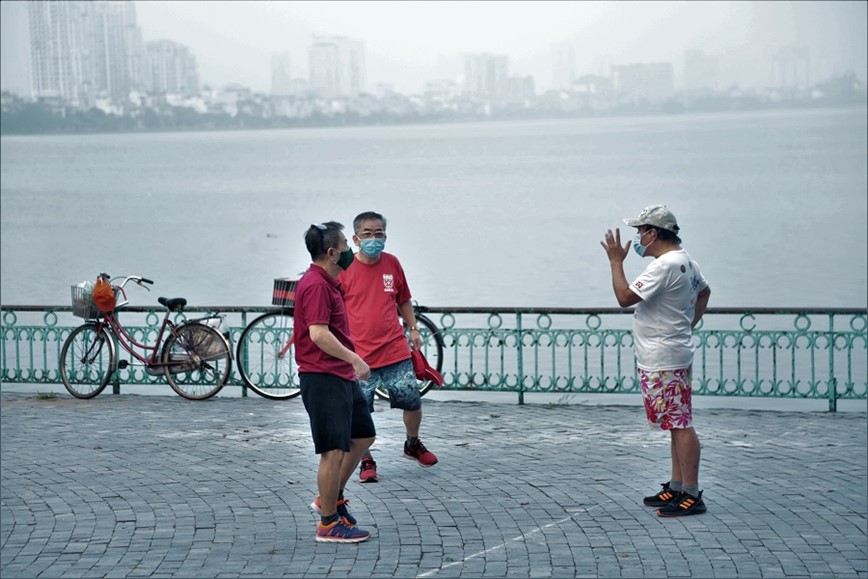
[[612, 245]]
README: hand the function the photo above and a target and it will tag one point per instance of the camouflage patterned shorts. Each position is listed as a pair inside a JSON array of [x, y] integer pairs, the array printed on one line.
[[399, 380]]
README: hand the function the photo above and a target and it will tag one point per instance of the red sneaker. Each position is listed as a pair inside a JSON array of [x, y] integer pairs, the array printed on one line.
[[419, 453], [368, 471]]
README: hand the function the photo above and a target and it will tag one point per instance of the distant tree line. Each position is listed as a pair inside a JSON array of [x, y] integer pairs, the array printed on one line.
[[19, 116]]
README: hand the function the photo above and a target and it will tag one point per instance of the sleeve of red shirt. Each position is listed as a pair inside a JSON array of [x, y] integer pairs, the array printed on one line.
[[318, 305], [403, 288]]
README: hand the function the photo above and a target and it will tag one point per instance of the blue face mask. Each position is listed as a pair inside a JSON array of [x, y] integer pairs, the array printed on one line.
[[637, 245], [372, 247]]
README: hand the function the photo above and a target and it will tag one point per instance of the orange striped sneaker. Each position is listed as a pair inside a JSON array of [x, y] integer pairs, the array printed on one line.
[[682, 506], [661, 499]]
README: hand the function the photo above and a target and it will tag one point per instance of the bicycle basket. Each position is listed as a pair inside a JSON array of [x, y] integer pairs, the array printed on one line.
[[284, 292], [82, 302]]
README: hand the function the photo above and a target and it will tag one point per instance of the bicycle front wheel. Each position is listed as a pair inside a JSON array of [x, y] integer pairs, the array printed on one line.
[[266, 356], [87, 361], [197, 361], [432, 348]]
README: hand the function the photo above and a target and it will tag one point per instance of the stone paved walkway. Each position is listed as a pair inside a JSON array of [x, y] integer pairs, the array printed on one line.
[[157, 486]]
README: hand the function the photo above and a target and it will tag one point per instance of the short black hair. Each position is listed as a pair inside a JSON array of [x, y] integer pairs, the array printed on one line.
[[665, 234], [367, 216], [321, 237]]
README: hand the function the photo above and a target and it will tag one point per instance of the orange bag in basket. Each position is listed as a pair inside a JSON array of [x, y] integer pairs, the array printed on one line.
[[103, 295]]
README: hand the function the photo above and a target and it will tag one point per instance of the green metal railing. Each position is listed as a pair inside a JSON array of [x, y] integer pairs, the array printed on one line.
[[755, 352]]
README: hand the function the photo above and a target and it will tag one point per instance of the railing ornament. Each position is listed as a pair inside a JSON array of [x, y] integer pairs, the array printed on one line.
[[802, 323], [495, 321]]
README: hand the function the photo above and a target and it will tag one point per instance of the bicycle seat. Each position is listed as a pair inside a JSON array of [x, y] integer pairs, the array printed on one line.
[[174, 304]]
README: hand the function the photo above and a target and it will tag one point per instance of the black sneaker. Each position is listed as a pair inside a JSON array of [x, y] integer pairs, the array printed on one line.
[[682, 506], [661, 499]]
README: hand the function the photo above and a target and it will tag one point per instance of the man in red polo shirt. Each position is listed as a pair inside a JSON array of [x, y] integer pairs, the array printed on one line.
[[378, 297], [329, 368]]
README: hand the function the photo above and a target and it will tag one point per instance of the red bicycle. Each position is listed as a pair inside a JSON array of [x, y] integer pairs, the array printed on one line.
[[195, 358]]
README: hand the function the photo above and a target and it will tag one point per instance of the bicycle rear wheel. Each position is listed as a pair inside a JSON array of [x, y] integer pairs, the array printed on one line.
[[87, 361], [432, 348], [198, 360], [266, 356]]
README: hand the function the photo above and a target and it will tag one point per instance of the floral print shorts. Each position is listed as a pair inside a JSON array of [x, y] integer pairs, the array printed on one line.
[[668, 398]]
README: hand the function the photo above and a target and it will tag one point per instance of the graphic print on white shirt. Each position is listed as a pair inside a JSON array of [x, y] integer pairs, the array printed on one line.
[[662, 336]]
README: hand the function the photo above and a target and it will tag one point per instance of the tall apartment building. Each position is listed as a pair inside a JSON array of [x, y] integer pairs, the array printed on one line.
[[700, 72], [563, 66], [171, 68], [791, 67], [337, 66], [58, 44], [82, 50], [520, 89], [117, 55], [281, 80], [487, 75], [644, 82]]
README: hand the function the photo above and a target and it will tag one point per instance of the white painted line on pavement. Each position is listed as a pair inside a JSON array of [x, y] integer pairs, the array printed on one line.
[[521, 537]]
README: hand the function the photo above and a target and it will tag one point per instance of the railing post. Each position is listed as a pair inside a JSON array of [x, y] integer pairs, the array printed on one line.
[[520, 358], [116, 374], [833, 382], [242, 352]]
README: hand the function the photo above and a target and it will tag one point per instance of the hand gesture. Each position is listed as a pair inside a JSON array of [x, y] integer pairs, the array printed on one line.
[[612, 245]]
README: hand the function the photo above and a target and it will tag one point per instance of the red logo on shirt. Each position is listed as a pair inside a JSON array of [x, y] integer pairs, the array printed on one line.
[[638, 285]]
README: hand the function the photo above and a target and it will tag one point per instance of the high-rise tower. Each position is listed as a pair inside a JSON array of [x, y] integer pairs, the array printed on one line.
[[337, 66], [82, 50]]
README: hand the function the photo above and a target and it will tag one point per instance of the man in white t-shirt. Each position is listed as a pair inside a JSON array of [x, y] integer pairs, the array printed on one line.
[[672, 296]]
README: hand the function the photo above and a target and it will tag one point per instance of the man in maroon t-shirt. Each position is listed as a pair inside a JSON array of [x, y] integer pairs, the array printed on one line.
[[376, 294], [328, 368]]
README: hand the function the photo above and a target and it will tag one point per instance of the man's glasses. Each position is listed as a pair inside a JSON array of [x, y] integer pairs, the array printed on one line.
[[369, 233]]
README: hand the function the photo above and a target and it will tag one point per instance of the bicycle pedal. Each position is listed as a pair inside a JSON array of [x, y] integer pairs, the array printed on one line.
[[122, 365]]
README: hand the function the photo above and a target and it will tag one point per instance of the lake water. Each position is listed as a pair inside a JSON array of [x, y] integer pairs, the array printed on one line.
[[771, 204]]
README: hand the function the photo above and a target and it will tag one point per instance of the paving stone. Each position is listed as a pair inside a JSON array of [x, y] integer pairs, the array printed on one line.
[[155, 486]]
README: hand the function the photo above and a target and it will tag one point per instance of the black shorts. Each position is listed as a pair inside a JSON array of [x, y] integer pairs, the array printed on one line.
[[338, 411]]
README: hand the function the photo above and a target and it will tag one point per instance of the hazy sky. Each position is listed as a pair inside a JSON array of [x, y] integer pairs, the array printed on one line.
[[409, 43]]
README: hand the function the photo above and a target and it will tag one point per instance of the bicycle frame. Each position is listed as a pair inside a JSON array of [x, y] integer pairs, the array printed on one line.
[[128, 343], [114, 326]]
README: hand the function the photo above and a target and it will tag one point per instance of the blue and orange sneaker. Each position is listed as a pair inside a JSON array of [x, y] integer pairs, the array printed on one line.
[[341, 531], [343, 511]]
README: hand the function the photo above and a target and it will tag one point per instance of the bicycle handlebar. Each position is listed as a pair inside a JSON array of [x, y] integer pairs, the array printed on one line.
[[135, 278]]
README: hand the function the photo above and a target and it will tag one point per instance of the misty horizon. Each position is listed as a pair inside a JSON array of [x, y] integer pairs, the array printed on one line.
[[408, 44]]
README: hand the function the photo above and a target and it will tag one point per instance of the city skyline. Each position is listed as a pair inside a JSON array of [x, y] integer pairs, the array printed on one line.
[[408, 45]]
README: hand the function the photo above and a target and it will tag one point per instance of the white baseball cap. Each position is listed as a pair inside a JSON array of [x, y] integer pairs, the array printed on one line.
[[656, 215]]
